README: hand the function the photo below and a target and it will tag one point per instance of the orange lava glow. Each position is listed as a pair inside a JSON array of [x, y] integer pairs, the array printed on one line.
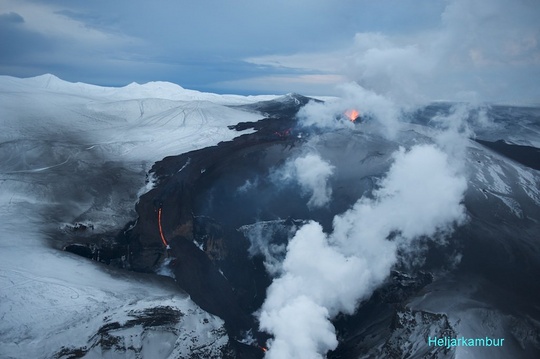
[[352, 114], [161, 229], [263, 349]]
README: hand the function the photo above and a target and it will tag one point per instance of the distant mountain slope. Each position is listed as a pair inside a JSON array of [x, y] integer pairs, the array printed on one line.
[[154, 89]]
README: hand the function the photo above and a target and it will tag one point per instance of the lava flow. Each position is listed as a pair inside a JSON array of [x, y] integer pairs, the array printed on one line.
[[165, 243]]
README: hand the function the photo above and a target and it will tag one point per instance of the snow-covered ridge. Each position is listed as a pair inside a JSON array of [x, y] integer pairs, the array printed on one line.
[[154, 89], [136, 122]]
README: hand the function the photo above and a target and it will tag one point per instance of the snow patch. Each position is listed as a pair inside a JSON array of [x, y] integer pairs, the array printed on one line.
[[529, 182], [165, 268], [150, 184], [498, 183]]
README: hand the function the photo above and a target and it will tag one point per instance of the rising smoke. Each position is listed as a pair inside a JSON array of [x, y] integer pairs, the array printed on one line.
[[353, 96], [324, 274], [311, 173]]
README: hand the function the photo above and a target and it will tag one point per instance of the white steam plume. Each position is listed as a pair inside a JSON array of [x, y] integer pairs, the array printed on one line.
[[325, 274], [396, 71], [260, 235], [311, 172], [353, 96]]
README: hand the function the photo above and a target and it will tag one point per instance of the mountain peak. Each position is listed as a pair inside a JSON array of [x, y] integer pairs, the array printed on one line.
[[46, 80]]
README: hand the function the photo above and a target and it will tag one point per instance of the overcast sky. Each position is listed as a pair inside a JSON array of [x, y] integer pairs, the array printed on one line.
[[455, 49]]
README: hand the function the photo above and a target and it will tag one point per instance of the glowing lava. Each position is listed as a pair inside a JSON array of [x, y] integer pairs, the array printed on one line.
[[161, 229], [352, 114]]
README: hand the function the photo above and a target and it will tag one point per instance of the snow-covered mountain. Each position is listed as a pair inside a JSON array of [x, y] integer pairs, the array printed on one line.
[[70, 150]]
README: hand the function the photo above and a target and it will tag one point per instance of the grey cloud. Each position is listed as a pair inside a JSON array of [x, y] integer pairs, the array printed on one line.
[[479, 50], [483, 49], [11, 18], [186, 41], [21, 48], [407, 50]]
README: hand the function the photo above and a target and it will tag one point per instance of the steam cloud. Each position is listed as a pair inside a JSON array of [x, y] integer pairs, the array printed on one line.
[[312, 174], [260, 235], [353, 96], [325, 274]]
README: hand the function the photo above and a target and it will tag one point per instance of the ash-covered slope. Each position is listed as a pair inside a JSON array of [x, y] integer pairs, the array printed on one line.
[[526, 155], [284, 106], [207, 196]]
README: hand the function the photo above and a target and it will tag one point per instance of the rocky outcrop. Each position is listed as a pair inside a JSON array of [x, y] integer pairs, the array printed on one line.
[[157, 332]]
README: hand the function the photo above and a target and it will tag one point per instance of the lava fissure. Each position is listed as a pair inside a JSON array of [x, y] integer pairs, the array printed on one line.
[[165, 243]]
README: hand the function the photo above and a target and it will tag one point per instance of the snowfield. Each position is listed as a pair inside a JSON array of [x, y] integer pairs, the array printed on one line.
[[77, 152], [133, 123]]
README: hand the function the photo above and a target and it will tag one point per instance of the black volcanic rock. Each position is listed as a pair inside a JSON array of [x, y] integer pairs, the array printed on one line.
[[526, 155], [400, 332], [126, 337], [282, 107], [402, 286], [410, 332], [383, 327]]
